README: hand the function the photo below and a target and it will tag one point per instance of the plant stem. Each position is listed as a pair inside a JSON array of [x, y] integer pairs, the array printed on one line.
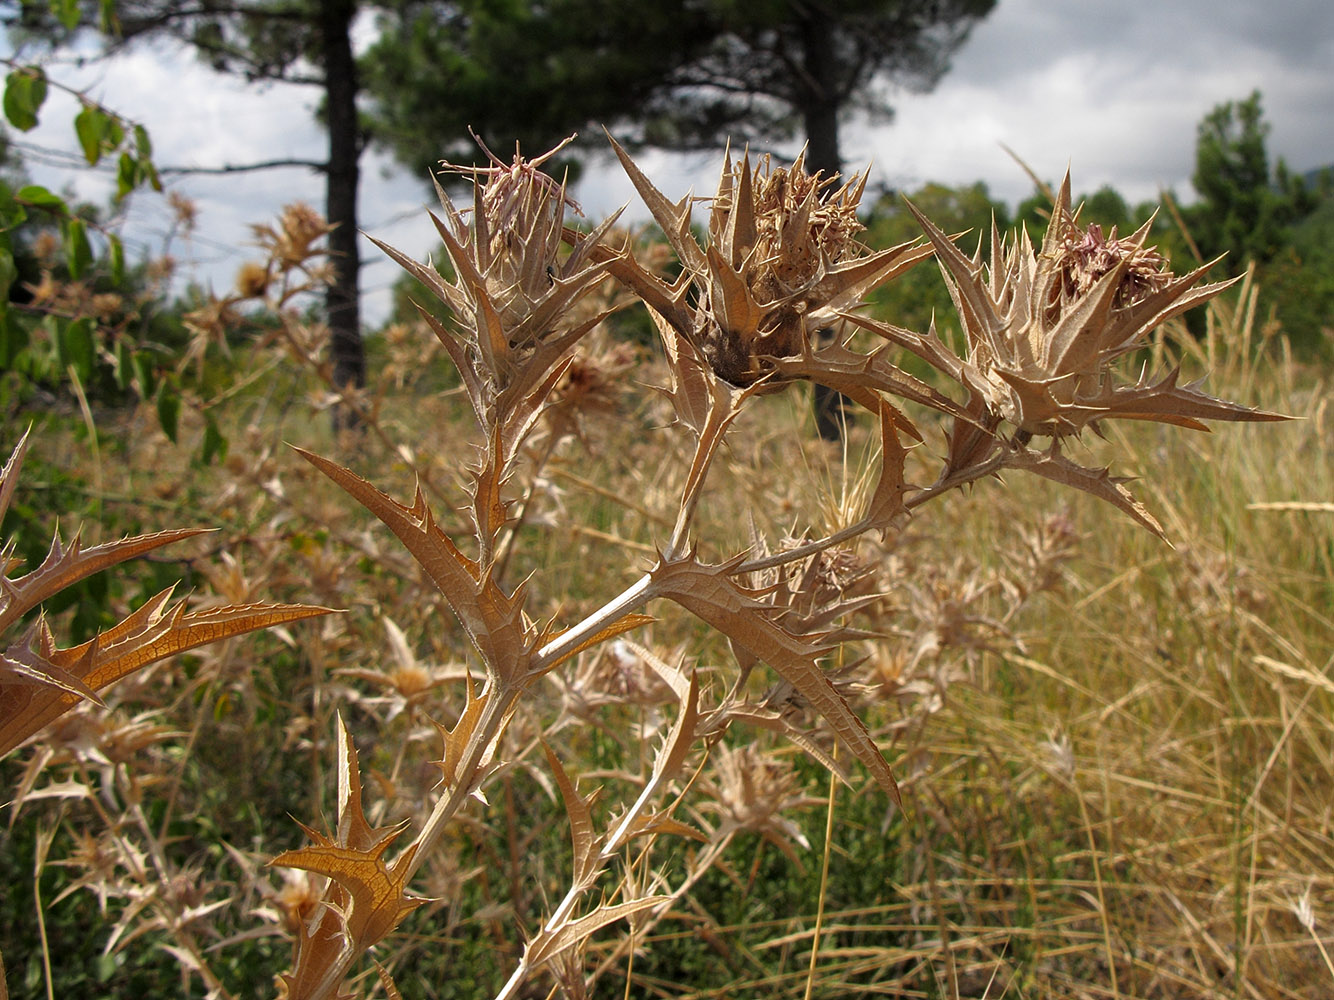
[[630, 599]]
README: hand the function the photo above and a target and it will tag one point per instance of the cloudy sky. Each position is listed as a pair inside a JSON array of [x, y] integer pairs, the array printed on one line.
[[1114, 88]]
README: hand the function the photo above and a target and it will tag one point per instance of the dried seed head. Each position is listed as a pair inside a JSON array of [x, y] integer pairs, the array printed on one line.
[[591, 388], [1087, 255], [252, 280], [781, 264], [1044, 327], [105, 305], [519, 216], [750, 791], [772, 273], [291, 244], [514, 282]]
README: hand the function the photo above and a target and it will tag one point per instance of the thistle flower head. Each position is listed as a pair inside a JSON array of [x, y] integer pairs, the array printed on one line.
[[514, 284], [782, 262], [291, 244], [750, 791], [514, 238], [1044, 326], [772, 274]]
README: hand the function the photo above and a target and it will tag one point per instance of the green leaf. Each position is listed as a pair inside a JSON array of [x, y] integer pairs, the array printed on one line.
[[116, 258], [13, 339], [107, 22], [144, 373], [141, 143], [12, 214], [36, 196], [77, 347], [66, 12], [215, 445], [25, 91], [8, 272], [90, 127], [168, 410], [124, 368], [127, 175], [78, 251]]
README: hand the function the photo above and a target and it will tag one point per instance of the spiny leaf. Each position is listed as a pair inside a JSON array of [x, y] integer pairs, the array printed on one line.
[[710, 594], [367, 896], [457, 740], [550, 943], [585, 840], [626, 623], [1097, 482], [887, 501], [377, 902], [492, 619], [667, 763], [725, 403], [148, 635], [21, 665], [972, 440], [9, 475], [65, 565], [674, 218], [690, 379]]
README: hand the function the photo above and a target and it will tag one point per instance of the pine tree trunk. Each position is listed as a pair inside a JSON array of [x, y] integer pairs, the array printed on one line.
[[342, 298], [819, 110]]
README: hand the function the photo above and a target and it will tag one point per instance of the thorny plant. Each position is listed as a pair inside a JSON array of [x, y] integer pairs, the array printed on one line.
[[42, 682], [749, 314], [743, 318]]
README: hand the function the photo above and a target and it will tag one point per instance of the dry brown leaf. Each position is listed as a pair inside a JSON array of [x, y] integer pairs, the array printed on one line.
[[587, 844], [886, 505], [709, 593], [65, 565], [550, 943], [152, 633], [627, 623], [1096, 482], [493, 620], [367, 896]]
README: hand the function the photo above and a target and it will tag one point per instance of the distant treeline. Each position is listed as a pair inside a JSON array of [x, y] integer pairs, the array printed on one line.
[[1248, 210]]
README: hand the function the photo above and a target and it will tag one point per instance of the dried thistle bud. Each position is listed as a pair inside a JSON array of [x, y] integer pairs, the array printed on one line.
[[1044, 327], [105, 305], [774, 248], [782, 262], [515, 283], [252, 280], [185, 210], [46, 247], [292, 243]]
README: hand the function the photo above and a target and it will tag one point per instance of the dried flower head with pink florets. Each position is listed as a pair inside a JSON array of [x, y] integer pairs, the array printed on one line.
[[1044, 327], [1043, 330]]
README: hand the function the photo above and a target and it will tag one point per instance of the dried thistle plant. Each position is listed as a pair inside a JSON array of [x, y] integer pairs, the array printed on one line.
[[780, 264], [745, 317]]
